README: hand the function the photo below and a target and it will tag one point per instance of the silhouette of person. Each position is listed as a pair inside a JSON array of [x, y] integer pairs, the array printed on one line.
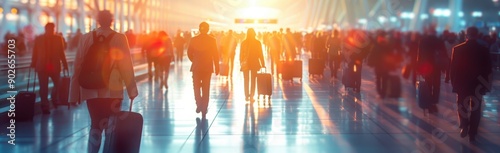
[[48, 54], [179, 43], [430, 58], [252, 60], [275, 50], [229, 43], [164, 53], [470, 78], [334, 45], [203, 53], [102, 103], [289, 45]]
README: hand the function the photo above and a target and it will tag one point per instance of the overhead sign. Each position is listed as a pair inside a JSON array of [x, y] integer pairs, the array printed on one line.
[[256, 21]]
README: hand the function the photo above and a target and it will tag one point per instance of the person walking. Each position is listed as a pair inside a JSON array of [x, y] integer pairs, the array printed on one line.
[[179, 43], [431, 58], [104, 102], [334, 46], [470, 75], [165, 57], [48, 54], [203, 53], [252, 60]]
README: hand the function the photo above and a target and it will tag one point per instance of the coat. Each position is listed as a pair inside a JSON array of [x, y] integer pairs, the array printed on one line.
[[203, 53], [470, 68], [122, 73], [48, 54], [251, 54]]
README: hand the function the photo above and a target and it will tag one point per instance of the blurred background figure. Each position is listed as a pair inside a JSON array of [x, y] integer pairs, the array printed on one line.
[[179, 43], [252, 60], [48, 56]]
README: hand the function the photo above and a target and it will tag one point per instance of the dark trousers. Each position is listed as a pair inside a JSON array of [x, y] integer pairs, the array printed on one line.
[[230, 63], [274, 62], [43, 79], [180, 53], [100, 110], [434, 80], [334, 63], [380, 79], [162, 69], [469, 111], [201, 86], [150, 67], [249, 82]]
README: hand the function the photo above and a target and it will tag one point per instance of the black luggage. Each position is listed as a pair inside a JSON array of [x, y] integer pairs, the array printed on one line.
[[292, 69], [316, 67], [393, 86], [264, 84], [25, 102], [63, 90], [348, 77], [124, 132], [423, 95]]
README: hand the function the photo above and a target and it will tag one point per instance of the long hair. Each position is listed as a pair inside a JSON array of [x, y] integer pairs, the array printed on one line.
[[251, 33]]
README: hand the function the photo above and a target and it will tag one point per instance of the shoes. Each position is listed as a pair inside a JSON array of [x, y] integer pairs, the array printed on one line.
[[464, 132]]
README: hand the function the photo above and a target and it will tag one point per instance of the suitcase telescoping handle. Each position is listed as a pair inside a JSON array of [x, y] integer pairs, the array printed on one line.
[[29, 80], [131, 102], [262, 70]]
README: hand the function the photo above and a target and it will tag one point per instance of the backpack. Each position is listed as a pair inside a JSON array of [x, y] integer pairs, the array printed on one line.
[[95, 70]]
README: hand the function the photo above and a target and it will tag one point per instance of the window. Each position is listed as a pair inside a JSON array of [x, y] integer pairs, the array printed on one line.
[[49, 3]]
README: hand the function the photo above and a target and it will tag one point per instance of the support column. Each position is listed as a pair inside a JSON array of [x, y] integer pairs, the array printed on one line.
[[122, 16], [454, 20], [80, 17], [116, 25], [419, 8], [3, 23], [62, 27]]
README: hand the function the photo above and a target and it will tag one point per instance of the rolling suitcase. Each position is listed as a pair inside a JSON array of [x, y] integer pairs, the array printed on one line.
[[292, 69], [423, 95], [63, 90], [393, 86], [264, 84], [316, 67], [124, 132], [348, 77], [25, 101]]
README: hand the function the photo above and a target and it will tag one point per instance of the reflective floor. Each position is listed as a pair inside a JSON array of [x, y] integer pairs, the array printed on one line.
[[310, 116]]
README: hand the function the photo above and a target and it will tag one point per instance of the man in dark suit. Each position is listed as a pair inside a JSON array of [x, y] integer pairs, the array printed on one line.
[[203, 54], [48, 54], [470, 74], [430, 58]]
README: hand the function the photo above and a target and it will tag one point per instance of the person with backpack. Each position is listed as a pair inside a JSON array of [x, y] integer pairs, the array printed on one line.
[[202, 52], [103, 65], [48, 54]]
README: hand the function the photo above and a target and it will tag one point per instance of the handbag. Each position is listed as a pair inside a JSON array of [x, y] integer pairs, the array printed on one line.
[[407, 70]]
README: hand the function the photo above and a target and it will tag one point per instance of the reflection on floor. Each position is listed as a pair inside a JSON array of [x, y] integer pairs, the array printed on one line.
[[309, 116]]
